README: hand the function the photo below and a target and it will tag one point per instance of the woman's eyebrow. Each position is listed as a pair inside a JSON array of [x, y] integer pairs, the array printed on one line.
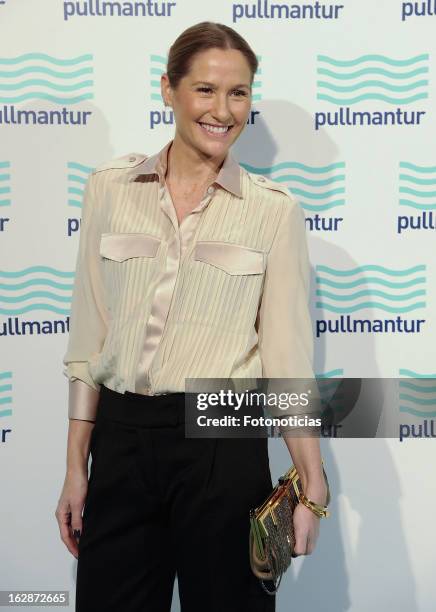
[[213, 85]]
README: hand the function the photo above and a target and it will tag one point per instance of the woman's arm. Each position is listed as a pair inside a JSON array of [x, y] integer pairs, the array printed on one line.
[[286, 340], [89, 316], [87, 331]]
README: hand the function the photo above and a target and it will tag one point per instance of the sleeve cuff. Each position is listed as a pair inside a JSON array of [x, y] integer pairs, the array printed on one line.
[[82, 400]]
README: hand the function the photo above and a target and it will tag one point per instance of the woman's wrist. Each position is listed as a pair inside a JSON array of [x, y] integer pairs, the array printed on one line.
[[77, 466], [316, 491]]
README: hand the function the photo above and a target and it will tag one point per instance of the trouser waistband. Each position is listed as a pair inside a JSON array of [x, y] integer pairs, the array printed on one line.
[[163, 410]]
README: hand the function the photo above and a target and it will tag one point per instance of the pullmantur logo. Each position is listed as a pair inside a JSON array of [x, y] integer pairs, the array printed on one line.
[[370, 287], [267, 9], [417, 186], [77, 177], [319, 189], [387, 81], [5, 403], [417, 398], [61, 82], [5, 192], [161, 116], [424, 8], [34, 290], [103, 8]]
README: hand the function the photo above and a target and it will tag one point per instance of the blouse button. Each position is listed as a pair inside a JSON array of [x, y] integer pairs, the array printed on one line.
[[261, 179], [210, 189]]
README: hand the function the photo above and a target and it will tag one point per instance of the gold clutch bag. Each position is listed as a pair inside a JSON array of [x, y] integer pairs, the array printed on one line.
[[272, 538]]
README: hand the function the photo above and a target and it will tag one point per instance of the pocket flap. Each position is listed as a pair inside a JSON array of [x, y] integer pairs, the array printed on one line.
[[232, 258], [126, 245]]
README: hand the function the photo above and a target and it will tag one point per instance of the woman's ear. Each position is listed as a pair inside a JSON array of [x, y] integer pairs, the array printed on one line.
[[165, 89]]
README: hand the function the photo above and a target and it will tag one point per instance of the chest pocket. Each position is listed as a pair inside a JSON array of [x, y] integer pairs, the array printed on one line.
[[129, 262], [234, 259], [119, 247]]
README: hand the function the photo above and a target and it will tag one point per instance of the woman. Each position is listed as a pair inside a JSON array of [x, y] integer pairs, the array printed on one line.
[[188, 267]]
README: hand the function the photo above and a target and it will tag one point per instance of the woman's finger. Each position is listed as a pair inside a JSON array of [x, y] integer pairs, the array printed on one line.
[[63, 516]]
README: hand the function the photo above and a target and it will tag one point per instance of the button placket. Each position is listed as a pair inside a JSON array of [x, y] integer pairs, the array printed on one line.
[[160, 308], [163, 296]]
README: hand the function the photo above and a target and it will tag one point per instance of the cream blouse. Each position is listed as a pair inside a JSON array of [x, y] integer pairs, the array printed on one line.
[[223, 295]]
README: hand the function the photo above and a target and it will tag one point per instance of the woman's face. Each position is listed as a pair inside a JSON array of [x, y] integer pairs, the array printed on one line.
[[216, 92]]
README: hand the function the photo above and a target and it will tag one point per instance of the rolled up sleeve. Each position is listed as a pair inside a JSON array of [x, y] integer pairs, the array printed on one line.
[[88, 317], [284, 326]]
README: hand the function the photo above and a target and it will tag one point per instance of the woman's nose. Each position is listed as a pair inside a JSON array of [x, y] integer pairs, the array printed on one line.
[[220, 110]]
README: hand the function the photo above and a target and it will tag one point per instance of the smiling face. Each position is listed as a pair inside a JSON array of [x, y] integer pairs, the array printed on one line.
[[216, 92]]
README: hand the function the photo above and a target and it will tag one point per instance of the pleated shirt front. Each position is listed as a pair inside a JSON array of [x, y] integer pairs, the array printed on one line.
[[222, 295]]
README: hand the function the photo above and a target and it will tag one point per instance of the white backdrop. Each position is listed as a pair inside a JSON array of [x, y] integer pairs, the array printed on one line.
[[345, 116]]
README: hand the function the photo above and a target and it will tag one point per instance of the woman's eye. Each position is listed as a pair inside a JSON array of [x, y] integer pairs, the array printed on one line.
[[240, 92]]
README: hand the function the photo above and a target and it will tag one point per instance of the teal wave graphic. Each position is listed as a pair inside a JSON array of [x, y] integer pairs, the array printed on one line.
[[48, 282], [421, 401], [77, 182], [315, 198], [32, 269], [416, 412], [5, 189], [417, 181], [419, 389], [422, 169], [5, 389], [373, 71], [330, 373], [384, 59], [371, 267], [37, 306], [358, 294], [13, 74], [413, 374], [371, 83], [34, 294], [371, 279], [11, 61], [293, 165], [369, 88], [394, 301], [417, 192], [426, 393], [80, 167], [421, 191], [13, 303], [32, 87]]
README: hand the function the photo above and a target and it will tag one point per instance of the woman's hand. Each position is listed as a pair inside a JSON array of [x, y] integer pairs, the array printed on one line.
[[69, 509], [306, 523]]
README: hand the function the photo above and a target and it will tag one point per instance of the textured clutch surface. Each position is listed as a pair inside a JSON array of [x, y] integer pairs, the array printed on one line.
[[272, 538]]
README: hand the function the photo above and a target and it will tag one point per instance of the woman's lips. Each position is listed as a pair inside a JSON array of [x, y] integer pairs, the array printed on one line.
[[215, 134]]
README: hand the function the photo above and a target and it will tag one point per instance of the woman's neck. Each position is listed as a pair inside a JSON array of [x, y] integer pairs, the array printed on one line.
[[186, 167]]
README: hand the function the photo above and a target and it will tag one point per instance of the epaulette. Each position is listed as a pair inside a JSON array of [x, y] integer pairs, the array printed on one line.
[[125, 161], [264, 181]]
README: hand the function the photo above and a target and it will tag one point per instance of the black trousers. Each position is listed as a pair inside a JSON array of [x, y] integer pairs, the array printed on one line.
[[160, 504]]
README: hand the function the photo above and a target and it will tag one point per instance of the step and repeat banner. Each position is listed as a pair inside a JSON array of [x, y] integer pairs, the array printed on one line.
[[344, 115]]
